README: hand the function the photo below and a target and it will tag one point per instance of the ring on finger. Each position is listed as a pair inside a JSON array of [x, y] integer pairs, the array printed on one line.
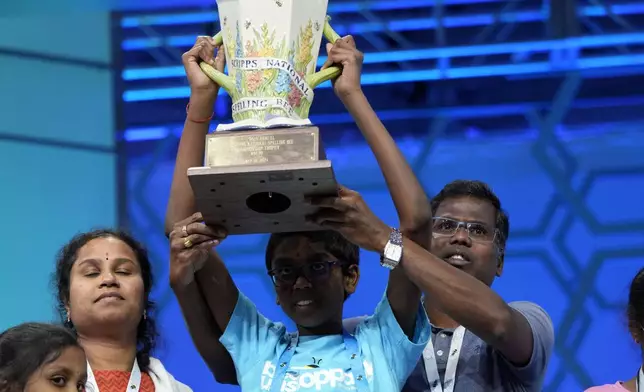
[[187, 243], [184, 230]]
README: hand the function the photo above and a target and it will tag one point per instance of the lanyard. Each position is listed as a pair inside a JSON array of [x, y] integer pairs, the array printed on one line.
[[132, 385], [431, 367], [640, 380], [351, 346]]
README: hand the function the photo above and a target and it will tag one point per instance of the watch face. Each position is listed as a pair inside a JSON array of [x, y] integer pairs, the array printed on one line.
[[393, 252]]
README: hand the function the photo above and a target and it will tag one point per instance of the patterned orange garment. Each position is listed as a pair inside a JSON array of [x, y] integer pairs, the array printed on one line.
[[116, 381]]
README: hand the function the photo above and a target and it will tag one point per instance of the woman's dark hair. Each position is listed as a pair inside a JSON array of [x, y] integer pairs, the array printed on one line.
[[27, 347], [635, 309], [146, 332]]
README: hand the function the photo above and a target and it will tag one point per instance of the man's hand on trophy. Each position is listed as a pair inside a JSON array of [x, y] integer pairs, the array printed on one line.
[[344, 53], [349, 215], [190, 244], [203, 50]]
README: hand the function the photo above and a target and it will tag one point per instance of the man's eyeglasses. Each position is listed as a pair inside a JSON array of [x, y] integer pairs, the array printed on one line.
[[478, 232], [313, 272]]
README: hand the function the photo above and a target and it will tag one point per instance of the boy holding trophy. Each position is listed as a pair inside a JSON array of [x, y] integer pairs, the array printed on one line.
[[313, 271]]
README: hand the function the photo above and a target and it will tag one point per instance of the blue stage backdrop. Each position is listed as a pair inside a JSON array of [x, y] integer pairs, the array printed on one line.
[[57, 155], [574, 197]]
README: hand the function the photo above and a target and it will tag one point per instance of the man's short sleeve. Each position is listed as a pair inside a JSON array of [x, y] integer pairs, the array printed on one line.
[[543, 336]]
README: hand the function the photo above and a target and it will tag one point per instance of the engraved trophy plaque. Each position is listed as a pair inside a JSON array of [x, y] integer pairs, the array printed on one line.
[[259, 169]]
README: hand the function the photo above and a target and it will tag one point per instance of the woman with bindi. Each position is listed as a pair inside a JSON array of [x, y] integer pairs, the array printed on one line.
[[103, 281]]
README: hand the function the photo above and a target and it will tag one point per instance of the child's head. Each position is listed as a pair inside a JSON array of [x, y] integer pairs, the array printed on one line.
[[314, 272], [37, 357], [635, 308]]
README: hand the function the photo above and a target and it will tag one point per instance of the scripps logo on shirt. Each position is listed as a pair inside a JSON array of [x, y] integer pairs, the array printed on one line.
[[308, 378]]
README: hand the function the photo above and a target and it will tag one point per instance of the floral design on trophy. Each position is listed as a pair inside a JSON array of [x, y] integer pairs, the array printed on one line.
[[271, 57], [283, 80]]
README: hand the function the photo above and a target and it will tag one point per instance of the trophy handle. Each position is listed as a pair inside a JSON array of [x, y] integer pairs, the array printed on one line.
[[220, 78], [322, 76], [219, 39], [312, 80]]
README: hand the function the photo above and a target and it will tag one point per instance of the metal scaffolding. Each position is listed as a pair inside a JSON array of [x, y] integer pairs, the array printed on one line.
[[481, 63]]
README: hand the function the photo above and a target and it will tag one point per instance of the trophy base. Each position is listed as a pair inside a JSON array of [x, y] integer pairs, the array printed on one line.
[[253, 199]]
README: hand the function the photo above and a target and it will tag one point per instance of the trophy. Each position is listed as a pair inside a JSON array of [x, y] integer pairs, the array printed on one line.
[[259, 169]]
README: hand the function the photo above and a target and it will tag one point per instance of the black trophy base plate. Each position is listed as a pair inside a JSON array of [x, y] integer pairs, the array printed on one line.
[[253, 199]]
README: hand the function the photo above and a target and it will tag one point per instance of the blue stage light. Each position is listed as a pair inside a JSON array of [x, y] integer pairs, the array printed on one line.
[[431, 74], [334, 8], [143, 134], [408, 24], [488, 111], [437, 53]]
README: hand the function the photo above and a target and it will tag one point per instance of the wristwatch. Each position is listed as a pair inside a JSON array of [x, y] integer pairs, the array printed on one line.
[[392, 254]]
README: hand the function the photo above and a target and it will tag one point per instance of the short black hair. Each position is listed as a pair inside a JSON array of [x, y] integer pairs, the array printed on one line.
[[26, 347], [146, 331], [635, 309], [479, 190], [345, 251]]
